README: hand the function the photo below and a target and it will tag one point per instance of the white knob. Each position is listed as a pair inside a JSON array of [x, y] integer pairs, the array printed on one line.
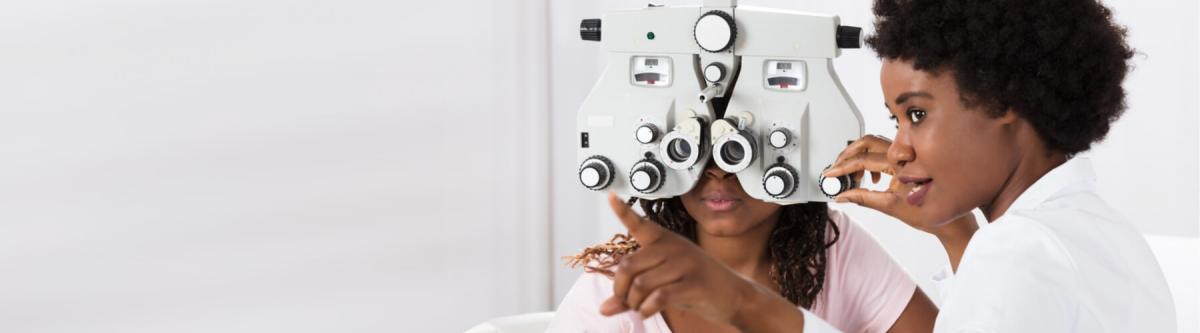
[[780, 181], [647, 176], [774, 185], [832, 186], [646, 133], [779, 138], [595, 173], [714, 72], [590, 177], [715, 31], [640, 180]]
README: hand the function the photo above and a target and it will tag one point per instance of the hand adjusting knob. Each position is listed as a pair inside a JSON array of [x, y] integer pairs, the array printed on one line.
[[832, 186]]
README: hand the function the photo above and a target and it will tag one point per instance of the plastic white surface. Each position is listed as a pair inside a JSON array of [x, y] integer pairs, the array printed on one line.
[[713, 33], [816, 111]]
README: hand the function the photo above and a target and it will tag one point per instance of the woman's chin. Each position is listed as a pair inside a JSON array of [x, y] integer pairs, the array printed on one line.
[[724, 227]]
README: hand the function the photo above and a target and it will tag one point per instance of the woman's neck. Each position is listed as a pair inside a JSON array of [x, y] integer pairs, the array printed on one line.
[[745, 253], [1032, 165]]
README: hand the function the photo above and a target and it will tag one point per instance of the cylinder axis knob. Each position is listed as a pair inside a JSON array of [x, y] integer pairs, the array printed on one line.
[[646, 133], [779, 138]]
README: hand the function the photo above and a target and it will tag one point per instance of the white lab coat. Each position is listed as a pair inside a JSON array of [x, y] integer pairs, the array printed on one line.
[[1059, 260]]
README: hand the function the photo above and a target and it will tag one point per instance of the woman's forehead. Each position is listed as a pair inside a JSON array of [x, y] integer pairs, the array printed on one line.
[[902, 82]]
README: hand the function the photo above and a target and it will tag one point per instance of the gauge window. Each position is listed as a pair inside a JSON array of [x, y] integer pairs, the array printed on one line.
[[650, 71], [785, 75]]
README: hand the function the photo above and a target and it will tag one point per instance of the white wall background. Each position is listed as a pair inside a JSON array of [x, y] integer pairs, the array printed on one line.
[[382, 166], [271, 166]]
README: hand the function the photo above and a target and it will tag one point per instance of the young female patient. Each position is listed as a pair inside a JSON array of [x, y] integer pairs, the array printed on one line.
[[812, 256]]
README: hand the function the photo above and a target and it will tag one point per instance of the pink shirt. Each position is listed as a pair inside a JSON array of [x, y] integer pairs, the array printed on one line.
[[865, 291]]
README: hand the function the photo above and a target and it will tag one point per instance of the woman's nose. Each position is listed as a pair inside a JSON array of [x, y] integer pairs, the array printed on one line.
[[716, 173], [901, 151]]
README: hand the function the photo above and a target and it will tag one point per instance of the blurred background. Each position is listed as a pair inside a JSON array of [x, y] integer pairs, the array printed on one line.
[[386, 166]]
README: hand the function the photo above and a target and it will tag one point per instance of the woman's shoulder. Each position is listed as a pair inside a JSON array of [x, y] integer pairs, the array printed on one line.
[[862, 278], [847, 229], [580, 310], [851, 238], [594, 283]]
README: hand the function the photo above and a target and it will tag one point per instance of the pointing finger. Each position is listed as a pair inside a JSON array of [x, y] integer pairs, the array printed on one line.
[[643, 230]]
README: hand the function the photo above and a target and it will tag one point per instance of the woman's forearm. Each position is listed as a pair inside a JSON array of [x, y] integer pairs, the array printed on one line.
[[763, 310]]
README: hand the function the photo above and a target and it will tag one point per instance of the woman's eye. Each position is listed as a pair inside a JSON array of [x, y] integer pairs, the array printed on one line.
[[916, 115], [895, 121]]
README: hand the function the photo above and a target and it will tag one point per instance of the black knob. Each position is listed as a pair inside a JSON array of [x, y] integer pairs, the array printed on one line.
[[589, 29], [780, 181], [848, 37], [647, 176], [595, 173]]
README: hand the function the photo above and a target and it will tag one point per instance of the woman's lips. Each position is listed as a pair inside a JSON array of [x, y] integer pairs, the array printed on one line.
[[917, 194], [720, 205], [720, 202]]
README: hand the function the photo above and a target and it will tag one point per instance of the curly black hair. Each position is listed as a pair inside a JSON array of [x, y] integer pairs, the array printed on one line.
[[1058, 63], [796, 246]]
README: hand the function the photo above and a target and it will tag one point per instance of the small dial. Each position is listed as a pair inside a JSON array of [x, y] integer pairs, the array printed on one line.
[[646, 133], [714, 72], [779, 138]]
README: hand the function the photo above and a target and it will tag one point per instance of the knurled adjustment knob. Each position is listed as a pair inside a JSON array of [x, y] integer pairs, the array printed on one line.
[[779, 138], [848, 37], [832, 186], [595, 173], [646, 133], [647, 176], [779, 181], [589, 29], [715, 31]]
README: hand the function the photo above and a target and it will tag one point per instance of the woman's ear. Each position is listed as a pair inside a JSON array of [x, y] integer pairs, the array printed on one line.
[[1008, 117]]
